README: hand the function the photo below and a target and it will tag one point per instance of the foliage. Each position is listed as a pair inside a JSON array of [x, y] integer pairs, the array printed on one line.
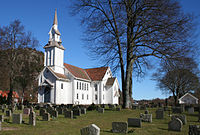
[[92, 107], [127, 34]]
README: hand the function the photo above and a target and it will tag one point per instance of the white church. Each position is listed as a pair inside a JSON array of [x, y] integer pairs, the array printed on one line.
[[62, 83]]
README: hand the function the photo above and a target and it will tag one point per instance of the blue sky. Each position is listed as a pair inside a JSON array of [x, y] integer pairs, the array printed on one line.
[[37, 17]]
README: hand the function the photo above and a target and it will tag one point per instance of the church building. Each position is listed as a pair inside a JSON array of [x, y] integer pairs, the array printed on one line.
[[62, 83]]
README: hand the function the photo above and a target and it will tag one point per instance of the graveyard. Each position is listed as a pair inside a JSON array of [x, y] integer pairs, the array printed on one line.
[[110, 120]]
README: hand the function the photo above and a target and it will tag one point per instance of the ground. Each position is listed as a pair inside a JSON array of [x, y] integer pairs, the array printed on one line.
[[66, 126]]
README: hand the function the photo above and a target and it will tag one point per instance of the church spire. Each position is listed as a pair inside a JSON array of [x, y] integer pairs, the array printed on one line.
[[55, 21]]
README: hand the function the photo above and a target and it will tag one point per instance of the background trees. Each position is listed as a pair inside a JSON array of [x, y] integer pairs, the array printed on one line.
[[127, 34], [178, 77], [15, 57]]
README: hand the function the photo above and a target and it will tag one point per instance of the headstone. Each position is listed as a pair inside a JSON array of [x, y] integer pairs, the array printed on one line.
[[134, 122], [90, 130], [146, 112], [68, 114], [175, 125], [46, 117], [77, 112], [17, 118], [83, 110], [32, 119], [100, 110], [120, 127], [2, 118], [8, 113], [176, 110], [194, 130], [146, 117], [160, 114], [118, 109], [26, 111], [42, 111], [54, 113], [65, 110], [191, 110], [60, 110], [181, 117]]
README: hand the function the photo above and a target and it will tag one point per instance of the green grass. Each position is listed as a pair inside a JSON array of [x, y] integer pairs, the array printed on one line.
[[65, 126]]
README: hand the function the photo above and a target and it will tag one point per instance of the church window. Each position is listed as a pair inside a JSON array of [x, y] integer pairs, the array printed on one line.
[[61, 85], [95, 87], [82, 96], [87, 96], [77, 96], [77, 85], [87, 86], [80, 85], [96, 97]]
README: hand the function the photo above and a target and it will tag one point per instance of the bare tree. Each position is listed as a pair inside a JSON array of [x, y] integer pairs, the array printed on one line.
[[127, 34], [178, 78], [13, 37]]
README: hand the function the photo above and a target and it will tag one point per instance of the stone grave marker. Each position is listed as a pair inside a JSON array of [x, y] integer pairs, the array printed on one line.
[[60, 110], [17, 118], [90, 130], [32, 119], [175, 125], [2, 118], [83, 110], [26, 111], [194, 130], [160, 114], [46, 117], [77, 112], [134, 122], [146, 117], [120, 127], [100, 110], [191, 110], [8, 113], [42, 111], [54, 113], [181, 117], [68, 114]]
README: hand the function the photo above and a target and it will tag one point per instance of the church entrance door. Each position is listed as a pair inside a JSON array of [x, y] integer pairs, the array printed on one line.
[[46, 95]]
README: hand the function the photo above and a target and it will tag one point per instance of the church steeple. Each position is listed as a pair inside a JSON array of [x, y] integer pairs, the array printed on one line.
[[54, 51], [55, 21]]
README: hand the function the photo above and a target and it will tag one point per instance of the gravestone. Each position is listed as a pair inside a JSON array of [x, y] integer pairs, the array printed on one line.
[[120, 127], [118, 109], [46, 117], [146, 112], [181, 117], [32, 119], [90, 130], [191, 110], [54, 113], [77, 112], [2, 118], [83, 110], [194, 130], [160, 114], [146, 117], [175, 125], [100, 110], [42, 111], [176, 110], [60, 110], [68, 114], [134, 122], [65, 110], [8, 113], [17, 118], [26, 111]]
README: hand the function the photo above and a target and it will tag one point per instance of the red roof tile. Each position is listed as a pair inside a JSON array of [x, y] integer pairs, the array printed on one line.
[[77, 72], [96, 74]]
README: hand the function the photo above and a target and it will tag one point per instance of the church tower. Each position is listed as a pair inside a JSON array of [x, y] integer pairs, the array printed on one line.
[[54, 51]]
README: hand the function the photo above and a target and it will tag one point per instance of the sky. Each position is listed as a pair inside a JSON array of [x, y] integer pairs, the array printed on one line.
[[37, 17]]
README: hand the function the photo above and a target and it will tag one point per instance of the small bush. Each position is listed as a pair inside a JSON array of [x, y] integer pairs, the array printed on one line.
[[92, 107]]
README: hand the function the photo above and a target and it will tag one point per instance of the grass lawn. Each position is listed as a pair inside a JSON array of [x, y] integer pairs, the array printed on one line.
[[65, 126]]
